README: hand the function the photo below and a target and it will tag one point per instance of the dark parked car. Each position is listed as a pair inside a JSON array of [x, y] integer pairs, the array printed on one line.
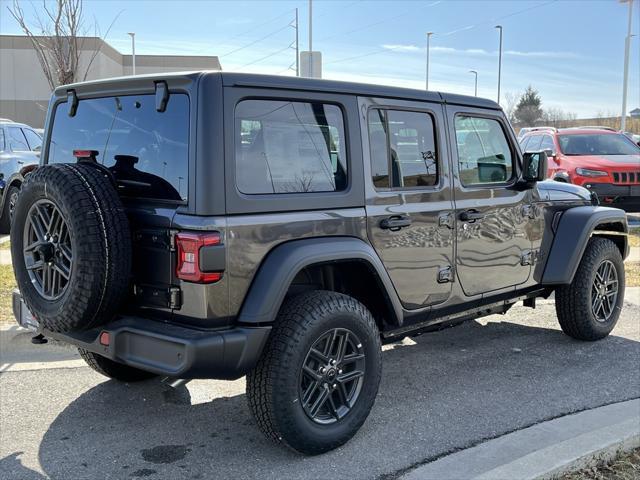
[[19, 153], [215, 225]]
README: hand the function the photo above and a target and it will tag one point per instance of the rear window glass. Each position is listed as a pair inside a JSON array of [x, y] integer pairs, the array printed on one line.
[[289, 147], [147, 150]]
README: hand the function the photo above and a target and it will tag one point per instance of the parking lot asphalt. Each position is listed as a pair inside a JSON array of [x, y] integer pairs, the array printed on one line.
[[440, 392]]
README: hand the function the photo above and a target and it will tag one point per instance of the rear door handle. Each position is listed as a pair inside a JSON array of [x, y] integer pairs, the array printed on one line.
[[395, 223], [471, 216]]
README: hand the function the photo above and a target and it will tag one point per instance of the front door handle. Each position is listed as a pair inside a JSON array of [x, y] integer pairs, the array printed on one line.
[[395, 223], [471, 216]]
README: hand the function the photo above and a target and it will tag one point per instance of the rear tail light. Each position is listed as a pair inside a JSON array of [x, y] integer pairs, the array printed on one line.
[[88, 154], [188, 246]]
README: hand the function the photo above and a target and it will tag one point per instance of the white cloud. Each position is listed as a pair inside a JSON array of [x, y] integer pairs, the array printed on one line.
[[517, 53], [410, 48], [402, 48]]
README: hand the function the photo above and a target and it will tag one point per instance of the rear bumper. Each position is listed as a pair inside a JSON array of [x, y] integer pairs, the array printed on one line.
[[168, 349], [626, 197]]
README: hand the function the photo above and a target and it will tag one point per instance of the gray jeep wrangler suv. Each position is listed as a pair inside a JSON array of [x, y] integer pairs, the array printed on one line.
[[215, 225]]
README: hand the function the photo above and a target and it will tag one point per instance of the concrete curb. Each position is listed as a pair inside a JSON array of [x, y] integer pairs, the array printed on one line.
[[546, 450]]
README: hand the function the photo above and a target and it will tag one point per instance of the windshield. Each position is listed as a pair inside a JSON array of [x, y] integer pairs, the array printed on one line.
[[597, 144], [146, 150]]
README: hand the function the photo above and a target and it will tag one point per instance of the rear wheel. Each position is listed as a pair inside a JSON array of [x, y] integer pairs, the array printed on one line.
[[589, 307], [318, 377], [115, 370]]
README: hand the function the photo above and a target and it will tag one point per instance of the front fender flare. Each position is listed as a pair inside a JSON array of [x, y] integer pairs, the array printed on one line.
[[574, 230], [282, 264]]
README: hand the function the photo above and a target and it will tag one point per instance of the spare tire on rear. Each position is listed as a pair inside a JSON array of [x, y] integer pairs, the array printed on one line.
[[71, 247]]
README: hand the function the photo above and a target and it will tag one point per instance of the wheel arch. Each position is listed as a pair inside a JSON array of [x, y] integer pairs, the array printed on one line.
[[328, 264], [576, 226]]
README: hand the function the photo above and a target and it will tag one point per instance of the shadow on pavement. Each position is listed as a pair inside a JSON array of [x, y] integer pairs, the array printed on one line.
[[440, 392]]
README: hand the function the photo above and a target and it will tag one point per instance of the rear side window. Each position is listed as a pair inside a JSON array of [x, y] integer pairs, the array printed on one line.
[[2, 147], [289, 147], [147, 150], [35, 142], [547, 143], [534, 143], [484, 155], [403, 149], [17, 142]]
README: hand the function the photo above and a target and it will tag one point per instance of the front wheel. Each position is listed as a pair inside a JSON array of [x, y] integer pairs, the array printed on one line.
[[318, 376], [588, 308]]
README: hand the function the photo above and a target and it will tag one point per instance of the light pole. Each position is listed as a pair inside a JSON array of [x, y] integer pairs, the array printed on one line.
[[133, 52], [428, 50], [476, 83], [311, 38], [499, 27], [297, 48], [625, 81]]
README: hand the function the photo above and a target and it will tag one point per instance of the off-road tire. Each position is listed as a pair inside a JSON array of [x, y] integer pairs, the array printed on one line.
[[272, 387], [573, 301], [115, 370], [5, 218], [100, 243]]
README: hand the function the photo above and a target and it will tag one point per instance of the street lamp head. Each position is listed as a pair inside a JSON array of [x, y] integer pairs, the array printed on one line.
[[498, 26], [473, 71], [131, 33], [429, 34]]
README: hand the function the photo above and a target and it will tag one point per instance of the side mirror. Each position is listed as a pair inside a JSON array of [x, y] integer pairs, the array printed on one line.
[[534, 167], [549, 153]]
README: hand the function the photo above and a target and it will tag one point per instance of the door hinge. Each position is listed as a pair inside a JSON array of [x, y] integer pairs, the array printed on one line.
[[175, 298], [445, 274], [529, 211], [529, 257], [446, 220]]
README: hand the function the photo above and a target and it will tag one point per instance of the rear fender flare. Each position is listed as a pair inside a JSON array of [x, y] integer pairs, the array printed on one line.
[[575, 228], [282, 264]]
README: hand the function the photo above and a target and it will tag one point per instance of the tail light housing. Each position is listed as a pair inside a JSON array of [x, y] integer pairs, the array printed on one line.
[[188, 246]]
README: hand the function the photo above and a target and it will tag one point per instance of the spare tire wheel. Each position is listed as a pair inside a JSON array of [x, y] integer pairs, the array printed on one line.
[[71, 247]]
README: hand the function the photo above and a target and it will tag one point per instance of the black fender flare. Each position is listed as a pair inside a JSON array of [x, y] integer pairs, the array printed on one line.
[[573, 232], [282, 264]]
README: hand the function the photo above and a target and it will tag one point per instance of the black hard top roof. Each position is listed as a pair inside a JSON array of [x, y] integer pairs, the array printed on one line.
[[295, 83]]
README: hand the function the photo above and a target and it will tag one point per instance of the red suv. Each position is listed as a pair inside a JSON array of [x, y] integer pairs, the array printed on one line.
[[599, 159]]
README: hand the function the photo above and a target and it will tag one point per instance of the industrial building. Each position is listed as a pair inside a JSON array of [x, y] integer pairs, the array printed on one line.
[[25, 92]]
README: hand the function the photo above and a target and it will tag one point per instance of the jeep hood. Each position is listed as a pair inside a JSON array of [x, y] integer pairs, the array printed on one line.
[[552, 190], [606, 161]]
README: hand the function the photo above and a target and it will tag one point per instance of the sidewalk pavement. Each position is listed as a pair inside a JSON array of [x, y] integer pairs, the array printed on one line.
[[545, 450]]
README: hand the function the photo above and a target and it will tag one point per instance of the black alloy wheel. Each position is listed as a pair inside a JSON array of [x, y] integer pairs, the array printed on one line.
[[332, 375]]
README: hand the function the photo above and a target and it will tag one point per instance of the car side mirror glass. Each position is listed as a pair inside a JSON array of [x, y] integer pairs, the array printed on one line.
[[534, 167], [549, 153]]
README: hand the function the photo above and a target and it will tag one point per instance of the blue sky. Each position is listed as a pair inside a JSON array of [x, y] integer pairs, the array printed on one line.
[[572, 51]]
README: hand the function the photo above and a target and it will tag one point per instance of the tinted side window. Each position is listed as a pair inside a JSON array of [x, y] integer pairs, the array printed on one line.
[[483, 151], [547, 143], [403, 143], [289, 147], [147, 150], [35, 142], [379, 148], [523, 143], [534, 143], [2, 145], [17, 142]]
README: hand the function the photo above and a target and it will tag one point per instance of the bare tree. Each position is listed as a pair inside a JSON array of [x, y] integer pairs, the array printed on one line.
[[58, 36], [511, 100], [556, 117]]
